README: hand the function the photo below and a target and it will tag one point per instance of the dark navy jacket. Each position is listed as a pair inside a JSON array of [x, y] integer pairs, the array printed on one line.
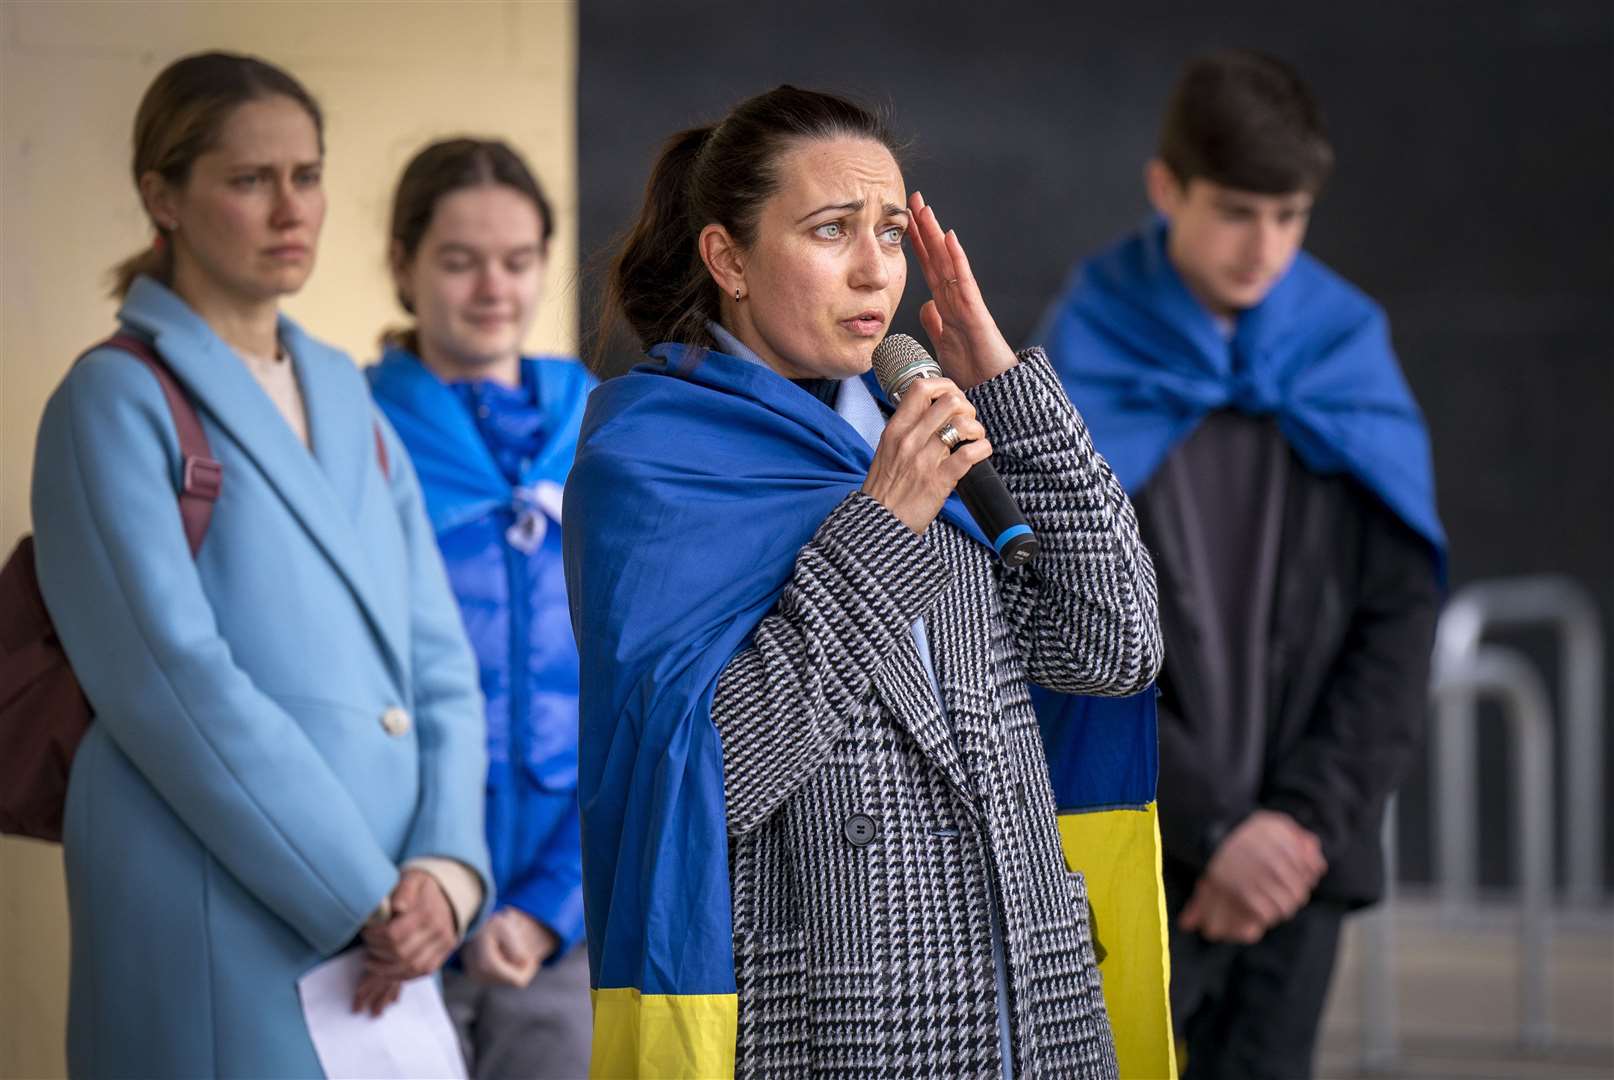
[[492, 462]]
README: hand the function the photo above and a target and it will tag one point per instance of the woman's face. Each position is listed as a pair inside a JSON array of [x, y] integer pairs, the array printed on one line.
[[826, 270], [246, 221], [475, 281]]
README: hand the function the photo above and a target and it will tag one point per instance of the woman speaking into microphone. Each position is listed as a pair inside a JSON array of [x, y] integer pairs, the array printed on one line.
[[817, 822]]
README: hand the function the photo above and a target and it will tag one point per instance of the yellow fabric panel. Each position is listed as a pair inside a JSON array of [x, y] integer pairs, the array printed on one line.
[[1118, 851], [663, 1036]]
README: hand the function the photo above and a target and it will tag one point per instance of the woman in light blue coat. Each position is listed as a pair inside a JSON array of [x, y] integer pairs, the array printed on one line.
[[287, 754]]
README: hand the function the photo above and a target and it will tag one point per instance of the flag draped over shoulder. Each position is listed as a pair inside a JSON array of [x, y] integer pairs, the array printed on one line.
[[1144, 363], [457, 470], [697, 480]]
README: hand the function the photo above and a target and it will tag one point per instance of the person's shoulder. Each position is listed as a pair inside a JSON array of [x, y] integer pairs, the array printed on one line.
[[107, 377], [642, 410], [1124, 276], [107, 402], [565, 375], [1316, 284], [1130, 258], [395, 373], [624, 399]]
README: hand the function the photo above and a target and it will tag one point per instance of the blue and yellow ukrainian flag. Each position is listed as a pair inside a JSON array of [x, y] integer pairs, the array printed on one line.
[[1103, 756]]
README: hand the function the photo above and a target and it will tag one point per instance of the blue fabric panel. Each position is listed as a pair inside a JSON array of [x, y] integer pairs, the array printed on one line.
[[1102, 752]]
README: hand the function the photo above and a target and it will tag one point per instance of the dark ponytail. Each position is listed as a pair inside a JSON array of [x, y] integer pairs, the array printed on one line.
[[658, 283], [713, 175]]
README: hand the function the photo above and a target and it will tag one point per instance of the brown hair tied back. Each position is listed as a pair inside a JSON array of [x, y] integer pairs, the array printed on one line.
[[705, 175], [441, 169], [180, 118]]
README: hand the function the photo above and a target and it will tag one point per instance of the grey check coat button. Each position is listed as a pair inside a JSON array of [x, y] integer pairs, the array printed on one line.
[[859, 830]]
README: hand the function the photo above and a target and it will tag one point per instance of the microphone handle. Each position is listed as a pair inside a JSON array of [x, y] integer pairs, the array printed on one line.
[[998, 515]]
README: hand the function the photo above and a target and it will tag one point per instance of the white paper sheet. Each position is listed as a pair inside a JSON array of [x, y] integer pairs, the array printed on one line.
[[413, 1039]]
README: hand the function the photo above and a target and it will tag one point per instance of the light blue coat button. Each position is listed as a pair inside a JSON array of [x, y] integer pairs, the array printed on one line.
[[395, 721]]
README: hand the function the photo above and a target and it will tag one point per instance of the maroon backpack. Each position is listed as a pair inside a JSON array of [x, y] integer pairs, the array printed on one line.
[[43, 712]]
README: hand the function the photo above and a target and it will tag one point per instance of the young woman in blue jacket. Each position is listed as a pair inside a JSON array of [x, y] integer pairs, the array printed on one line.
[[287, 744], [492, 434]]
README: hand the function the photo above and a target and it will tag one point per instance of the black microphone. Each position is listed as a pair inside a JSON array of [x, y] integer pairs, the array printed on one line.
[[898, 361]]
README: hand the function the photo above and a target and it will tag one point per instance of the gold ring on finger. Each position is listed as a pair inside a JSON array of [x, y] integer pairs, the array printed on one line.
[[949, 436]]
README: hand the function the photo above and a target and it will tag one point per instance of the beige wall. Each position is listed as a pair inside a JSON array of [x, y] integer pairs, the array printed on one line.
[[390, 75]]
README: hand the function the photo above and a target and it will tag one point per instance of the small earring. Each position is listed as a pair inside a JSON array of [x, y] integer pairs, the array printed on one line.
[[736, 293]]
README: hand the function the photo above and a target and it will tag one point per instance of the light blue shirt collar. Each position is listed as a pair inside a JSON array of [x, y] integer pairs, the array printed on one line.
[[727, 342]]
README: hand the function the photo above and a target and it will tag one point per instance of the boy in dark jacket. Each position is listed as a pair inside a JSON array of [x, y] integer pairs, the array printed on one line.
[[1249, 400]]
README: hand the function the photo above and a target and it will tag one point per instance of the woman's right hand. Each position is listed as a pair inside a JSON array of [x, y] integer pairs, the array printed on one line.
[[913, 472], [509, 948]]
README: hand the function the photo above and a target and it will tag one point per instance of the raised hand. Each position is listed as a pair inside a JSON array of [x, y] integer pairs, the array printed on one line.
[[968, 344]]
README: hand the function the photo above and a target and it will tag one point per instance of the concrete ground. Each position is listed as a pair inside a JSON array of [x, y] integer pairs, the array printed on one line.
[[1456, 999]]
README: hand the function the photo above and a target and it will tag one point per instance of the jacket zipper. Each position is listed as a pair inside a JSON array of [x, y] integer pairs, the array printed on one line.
[[516, 600]]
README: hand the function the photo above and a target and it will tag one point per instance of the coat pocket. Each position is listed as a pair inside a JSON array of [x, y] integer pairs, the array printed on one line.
[[771, 969], [1086, 922]]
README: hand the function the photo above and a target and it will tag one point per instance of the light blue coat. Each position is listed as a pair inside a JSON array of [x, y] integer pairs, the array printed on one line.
[[238, 809]]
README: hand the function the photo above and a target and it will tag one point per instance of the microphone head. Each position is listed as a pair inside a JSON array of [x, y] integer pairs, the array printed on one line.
[[898, 361]]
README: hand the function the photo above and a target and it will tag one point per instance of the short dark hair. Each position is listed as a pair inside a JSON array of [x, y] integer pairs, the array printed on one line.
[[719, 174], [1245, 120]]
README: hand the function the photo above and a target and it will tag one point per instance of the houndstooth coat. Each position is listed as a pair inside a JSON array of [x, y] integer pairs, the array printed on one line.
[[870, 833]]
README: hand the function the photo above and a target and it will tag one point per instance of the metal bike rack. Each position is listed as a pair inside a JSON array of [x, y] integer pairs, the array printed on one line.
[[1495, 672], [1552, 601], [1503, 674], [1381, 1043]]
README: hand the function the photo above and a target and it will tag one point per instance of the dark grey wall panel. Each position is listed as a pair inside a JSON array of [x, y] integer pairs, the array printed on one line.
[[1474, 196]]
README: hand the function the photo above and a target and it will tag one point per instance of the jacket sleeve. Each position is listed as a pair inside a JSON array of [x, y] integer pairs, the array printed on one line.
[[449, 718], [1372, 715], [1083, 611], [552, 891], [126, 598], [783, 701], [1196, 810]]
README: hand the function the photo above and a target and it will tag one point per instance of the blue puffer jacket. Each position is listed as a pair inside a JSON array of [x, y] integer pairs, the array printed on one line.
[[492, 461]]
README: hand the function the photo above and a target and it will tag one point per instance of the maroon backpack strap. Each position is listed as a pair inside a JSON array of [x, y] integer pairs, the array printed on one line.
[[381, 453], [201, 477]]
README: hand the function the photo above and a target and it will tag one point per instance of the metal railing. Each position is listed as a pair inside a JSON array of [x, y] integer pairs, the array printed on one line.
[[1466, 671], [1564, 606], [1498, 673], [1381, 1044]]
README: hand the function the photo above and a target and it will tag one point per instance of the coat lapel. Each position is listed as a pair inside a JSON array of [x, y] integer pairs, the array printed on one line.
[[904, 689], [964, 627], [324, 488]]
